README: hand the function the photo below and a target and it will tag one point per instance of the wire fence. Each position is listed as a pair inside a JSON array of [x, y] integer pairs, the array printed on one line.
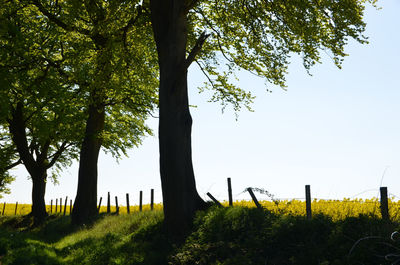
[[387, 206]]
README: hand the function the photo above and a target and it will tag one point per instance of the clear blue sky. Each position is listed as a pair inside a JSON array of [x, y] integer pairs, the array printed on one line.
[[336, 130]]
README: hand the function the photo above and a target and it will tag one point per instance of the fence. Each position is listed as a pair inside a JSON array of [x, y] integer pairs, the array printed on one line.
[[60, 208], [309, 204], [57, 207]]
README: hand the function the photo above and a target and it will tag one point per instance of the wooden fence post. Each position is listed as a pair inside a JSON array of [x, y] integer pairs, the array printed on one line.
[[108, 203], [70, 207], [128, 210], [4, 207], [56, 205], [116, 205], [254, 198], [65, 205], [141, 201], [214, 200], [51, 206], [16, 206], [384, 203], [308, 202], [98, 207], [230, 192], [152, 199], [60, 205]]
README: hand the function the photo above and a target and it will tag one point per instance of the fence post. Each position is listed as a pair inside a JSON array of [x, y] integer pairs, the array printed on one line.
[[254, 198], [4, 208], [51, 206], [60, 205], [152, 199], [70, 207], [308, 202], [98, 207], [116, 205], [230, 192], [214, 200], [56, 206], [384, 203], [65, 204], [16, 206], [141, 201], [108, 203], [128, 210]]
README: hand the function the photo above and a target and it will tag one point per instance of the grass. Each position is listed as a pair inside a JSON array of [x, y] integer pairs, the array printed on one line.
[[231, 235]]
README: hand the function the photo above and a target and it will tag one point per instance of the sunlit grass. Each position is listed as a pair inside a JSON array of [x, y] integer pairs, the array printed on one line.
[[113, 224]]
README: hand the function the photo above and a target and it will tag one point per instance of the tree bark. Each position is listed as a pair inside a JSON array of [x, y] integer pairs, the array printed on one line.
[[180, 197], [85, 206], [38, 192]]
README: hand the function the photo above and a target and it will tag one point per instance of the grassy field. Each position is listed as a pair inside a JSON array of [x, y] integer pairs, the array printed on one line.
[[231, 235]]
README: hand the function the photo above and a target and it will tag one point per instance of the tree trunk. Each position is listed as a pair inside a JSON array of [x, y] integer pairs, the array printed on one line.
[[36, 168], [85, 206], [180, 197], [38, 192]]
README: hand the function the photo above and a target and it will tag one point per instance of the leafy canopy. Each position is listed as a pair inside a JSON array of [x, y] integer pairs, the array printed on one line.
[[57, 59], [260, 36]]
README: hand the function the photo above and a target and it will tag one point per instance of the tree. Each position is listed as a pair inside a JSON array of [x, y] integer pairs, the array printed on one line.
[[60, 91], [39, 125], [257, 36], [120, 84]]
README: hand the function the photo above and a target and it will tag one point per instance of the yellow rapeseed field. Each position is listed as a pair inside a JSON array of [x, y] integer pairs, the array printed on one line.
[[337, 209]]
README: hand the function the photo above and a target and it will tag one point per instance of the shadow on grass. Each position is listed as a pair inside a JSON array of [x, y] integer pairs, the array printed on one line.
[[234, 235], [148, 245]]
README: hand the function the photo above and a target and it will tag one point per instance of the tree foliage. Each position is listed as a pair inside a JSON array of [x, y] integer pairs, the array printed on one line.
[[261, 37], [59, 58], [104, 59], [49, 119]]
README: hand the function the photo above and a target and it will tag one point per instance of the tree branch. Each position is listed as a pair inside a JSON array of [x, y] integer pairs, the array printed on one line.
[[57, 21], [130, 23], [6, 168], [17, 131], [57, 154], [43, 154], [190, 5], [217, 33], [196, 49]]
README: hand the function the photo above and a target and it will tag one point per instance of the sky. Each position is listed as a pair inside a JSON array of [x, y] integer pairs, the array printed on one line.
[[337, 130]]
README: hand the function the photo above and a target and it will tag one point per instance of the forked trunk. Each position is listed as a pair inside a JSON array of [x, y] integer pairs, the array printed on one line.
[[36, 168], [180, 197], [86, 197]]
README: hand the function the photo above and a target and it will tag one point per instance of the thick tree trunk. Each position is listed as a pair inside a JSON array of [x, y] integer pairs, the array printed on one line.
[[85, 207], [38, 192], [180, 197]]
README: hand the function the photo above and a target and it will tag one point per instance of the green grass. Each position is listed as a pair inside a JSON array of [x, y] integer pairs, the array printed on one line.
[[235, 235]]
